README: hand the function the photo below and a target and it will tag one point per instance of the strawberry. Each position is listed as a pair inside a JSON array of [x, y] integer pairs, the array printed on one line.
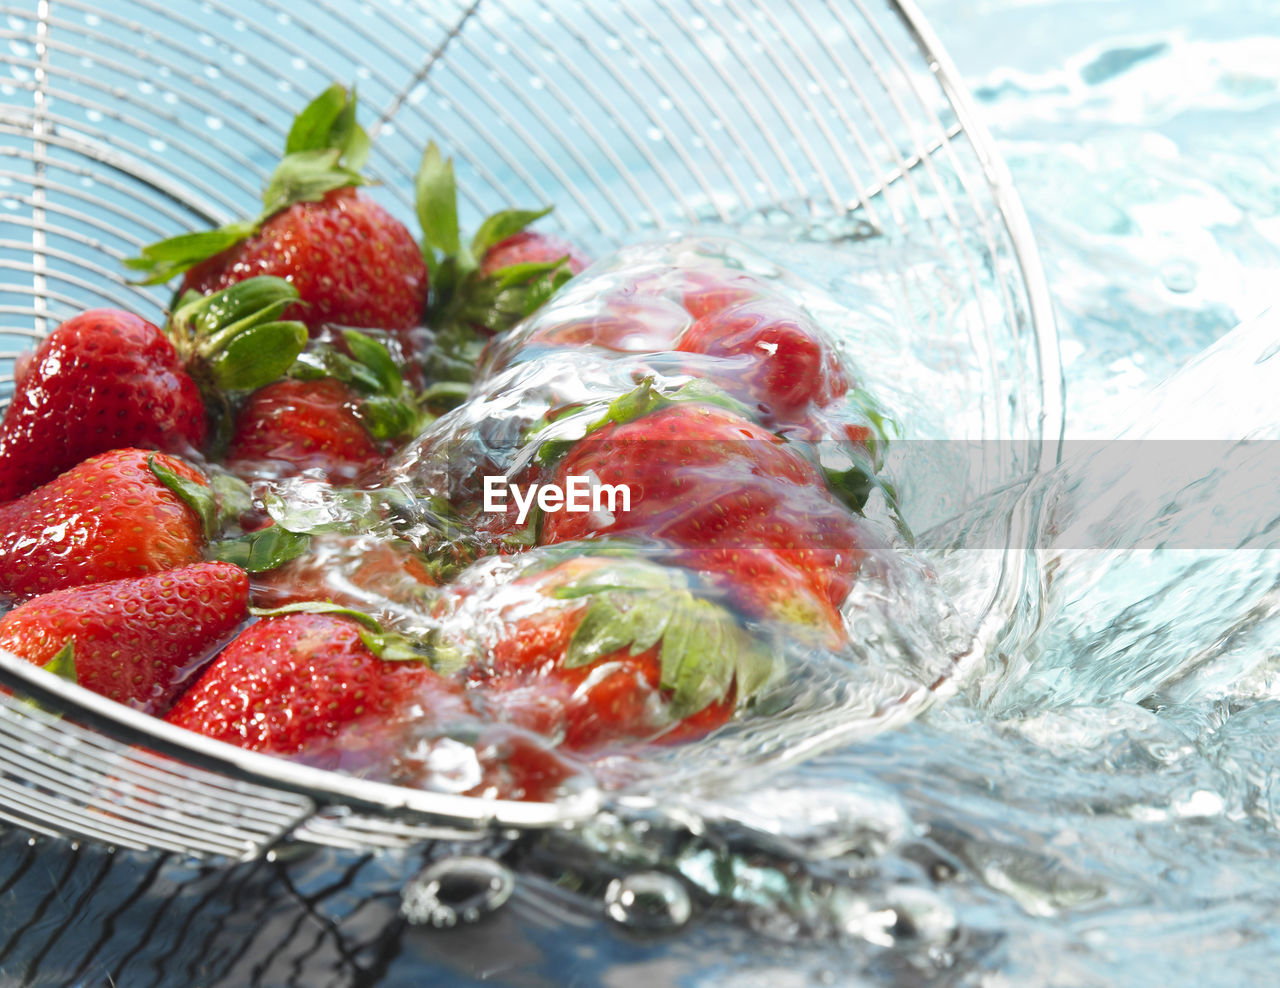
[[487, 286], [352, 263], [622, 322], [447, 747], [385, 579], [292, 680], [773, 357], [531, 247], [705, 293], [713, 485], [136, 640], [294, 425], [102, 380], [312, 686], [595, 652], [107, 379], [108, 518]]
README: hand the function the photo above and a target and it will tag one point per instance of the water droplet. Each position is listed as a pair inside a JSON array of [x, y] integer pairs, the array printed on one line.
[[213, 123], [1179, 276], [648, 900], [923, 917], [456, 889], [654, 134]]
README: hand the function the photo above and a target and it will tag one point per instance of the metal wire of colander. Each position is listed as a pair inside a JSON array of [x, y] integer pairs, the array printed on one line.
[[127, 122]]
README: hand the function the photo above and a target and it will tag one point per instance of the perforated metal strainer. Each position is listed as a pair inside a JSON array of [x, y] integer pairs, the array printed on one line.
[[126, 122]]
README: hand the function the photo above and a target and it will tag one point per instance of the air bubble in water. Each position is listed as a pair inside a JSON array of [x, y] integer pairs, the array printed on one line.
[[1179, 276], [456, 890], [648, 900]]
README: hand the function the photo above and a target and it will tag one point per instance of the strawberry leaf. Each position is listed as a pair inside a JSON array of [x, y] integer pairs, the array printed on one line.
[[501, 225], [167, 258], [373, 355], [257, 356], [260, 551], [329, 122], [436, 195], [201, 324], [305, 177], [387, 418], [704, 650], [195, 496], [232, 496], [64, 663], [319, 607]]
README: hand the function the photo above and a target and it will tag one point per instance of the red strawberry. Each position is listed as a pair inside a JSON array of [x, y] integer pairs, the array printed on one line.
[[136, 640], [296, 425], [531, 247], [712, 484], [108, 379], [352, 262], [292, 680], [312, 686], [109, 518], [384, 579], [705, 293], [624, 322], [484, 287], [774, 357], [102, 380], [595, 652]]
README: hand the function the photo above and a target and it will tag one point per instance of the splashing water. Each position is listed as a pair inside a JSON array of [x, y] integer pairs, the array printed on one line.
[[1096, 804]]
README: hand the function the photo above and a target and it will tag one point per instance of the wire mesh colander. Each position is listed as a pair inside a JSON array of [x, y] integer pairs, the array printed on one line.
[[128, 122]]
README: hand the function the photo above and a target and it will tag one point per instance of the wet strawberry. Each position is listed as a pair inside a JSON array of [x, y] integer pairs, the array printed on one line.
[[107, 380], [773, 356], [715, 487], [137, 640], [383, 579], [624, 322], [108, 518], [295, 679], [531, 247], [596, 652], [295, 425], [100, 381], [352, 263], [705, 293]]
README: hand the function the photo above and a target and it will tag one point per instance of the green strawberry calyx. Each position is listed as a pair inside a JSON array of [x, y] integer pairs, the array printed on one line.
[[324, 151], [262, 550], [64, 663], [563, 427], [465, 305], [704, 649], [235, 340], [385, 405], [386, 645]]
